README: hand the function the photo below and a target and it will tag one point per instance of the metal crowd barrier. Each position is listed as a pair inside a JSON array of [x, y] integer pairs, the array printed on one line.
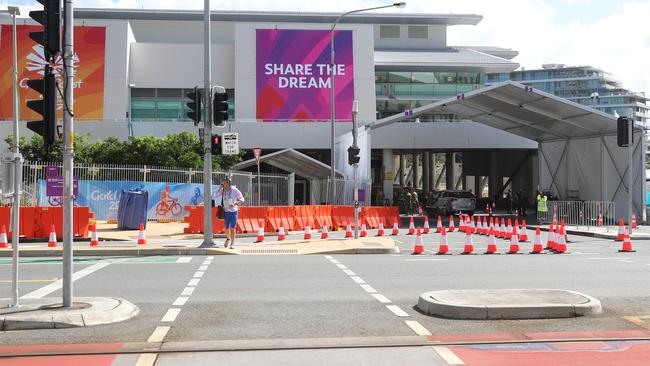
[[580, 213]]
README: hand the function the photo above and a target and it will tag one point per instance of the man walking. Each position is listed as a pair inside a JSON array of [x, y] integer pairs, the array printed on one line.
[[230, 198]]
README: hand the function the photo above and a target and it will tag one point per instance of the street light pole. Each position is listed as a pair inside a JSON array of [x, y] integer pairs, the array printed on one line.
[[355, 111], [207, 129], [333, 109]]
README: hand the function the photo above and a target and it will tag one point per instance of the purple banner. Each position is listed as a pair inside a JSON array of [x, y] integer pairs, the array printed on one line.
[[54, 186], [292, 75]]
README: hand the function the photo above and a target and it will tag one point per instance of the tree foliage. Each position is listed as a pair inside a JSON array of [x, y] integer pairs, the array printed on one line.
[[183, 150]]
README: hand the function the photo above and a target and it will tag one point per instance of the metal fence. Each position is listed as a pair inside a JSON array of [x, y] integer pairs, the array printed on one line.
[[579, 213], [274, 188], [344, 195]]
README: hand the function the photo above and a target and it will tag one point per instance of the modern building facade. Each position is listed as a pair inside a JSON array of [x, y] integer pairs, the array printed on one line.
[[144, 62], [584, 85]]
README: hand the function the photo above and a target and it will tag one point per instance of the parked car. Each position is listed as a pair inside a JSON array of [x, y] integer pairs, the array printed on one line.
[[452, 202]]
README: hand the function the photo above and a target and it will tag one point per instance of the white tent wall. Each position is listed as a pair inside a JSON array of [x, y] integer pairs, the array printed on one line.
[[596, 170]]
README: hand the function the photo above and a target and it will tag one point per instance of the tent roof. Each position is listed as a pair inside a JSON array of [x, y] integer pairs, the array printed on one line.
[[523, 111], [292, 161]]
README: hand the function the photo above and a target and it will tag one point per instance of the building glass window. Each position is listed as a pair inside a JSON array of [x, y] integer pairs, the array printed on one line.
[[168, 104], [389, 31]]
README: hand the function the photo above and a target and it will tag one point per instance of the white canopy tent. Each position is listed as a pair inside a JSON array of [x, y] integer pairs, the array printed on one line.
[[578, 155]]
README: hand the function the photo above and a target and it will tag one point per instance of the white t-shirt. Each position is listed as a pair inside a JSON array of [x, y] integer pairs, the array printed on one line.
[[229, 198]]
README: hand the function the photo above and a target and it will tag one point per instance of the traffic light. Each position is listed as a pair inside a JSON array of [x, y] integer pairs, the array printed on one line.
[[50, 37], [220, 106], [195, 105], [622, 131], [353, 155], [45, 107], [215, 145]]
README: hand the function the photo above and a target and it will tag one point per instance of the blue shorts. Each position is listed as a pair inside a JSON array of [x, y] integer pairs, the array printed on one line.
[[230, 219]]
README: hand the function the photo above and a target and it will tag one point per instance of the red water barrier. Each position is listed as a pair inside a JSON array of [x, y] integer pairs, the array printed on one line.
[[36, 221], [195, 221], [389, 215], [342, 216], [304, 216], [279, 216], [323, 216], [371, 216], [249, 219]]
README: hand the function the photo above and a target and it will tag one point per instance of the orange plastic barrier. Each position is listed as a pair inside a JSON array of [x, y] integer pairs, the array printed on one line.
[[304, 216], [195, 221], [279, 216], [371, 216], [389, 215], [250, 219], [323, 217], [44, 217], [342, 216]]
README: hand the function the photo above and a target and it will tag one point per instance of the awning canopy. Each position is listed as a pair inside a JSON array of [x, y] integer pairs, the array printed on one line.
[[523, 111], [292, 161]]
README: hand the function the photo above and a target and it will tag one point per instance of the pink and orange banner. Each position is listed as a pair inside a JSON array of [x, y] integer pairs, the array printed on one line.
[[89, 49]]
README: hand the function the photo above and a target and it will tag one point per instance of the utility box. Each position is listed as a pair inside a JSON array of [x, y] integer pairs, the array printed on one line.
[[132, 210]]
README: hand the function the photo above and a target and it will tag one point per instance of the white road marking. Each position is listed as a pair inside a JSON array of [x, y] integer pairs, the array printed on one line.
[[417, 328], [626, 261], [146, 359], [328, 257], [58, 284], [382, 299], [334, 261], [368, 288], [397, 310], [194, 282], [203, 268], [158, 334], [586, 253], [607, 258], [170, 315], [180, 301], [188, 291], [184, 260], [198, 274], [349, 272], [425, 259], [447, 355], [357, 279], [341, 266]]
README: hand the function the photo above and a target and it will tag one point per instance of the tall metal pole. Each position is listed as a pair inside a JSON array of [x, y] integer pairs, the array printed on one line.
[[15, 213], [259, 185], [355, 111], [630, 191], [332, 111], [207, 128], [68, 155]]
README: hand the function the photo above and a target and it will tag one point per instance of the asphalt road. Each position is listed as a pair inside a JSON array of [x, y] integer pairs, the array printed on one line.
[[346, 298]]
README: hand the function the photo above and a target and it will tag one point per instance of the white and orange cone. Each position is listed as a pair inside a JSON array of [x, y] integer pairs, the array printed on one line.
[[492, 243], [538, 248], [260, 235], [51, 243], [523, 232], [281, 234], [514, 242], [3, 238], [380, 231], [94, 240], [324, 233], [395, 228], [634, 221], [560, 246], [600, 220], [438, 225], [142, 240], [627, 244], [444, 244], [411, 227], [364, 232], [451, 224], [621, 231], [419, 246], [426, 229], [469, 242], [348, 231], [307, 235]]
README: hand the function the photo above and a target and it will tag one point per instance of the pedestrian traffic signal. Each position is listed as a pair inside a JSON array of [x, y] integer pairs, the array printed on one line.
[[220, 106], [215, 145], [50, 36], [622, 131], [195, 105], [353, 155], [46, 107]]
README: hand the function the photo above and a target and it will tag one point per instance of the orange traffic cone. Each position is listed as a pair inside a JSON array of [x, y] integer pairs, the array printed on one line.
[[426, 228], [537, 242], [364, 232], [260, 235], [502, 229], [380, 231], [411, 227], [438, 225], [451, 224], [633, 220], [395, 229], [307, 235], [550, 238], [472, 224], [461, 222], [419, 246], [348, 231], [560, 246], [142, 240], [600, 220], [444, 244], [94, 240], [281, 234], [509, 232], [486, 228], [469, 242], [3, 238], [514, 242], [523, 232], [627, 244], [324, 234], [492, 243], [621, 231], [52, 240]]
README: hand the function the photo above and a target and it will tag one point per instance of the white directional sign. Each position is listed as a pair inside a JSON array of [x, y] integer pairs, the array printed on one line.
[[230, 143]]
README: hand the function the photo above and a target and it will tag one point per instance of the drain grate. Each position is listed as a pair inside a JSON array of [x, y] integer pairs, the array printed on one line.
[[269, 251]]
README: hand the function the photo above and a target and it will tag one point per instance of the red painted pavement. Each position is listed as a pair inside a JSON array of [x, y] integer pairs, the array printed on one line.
[[493, 337], [91, 360]]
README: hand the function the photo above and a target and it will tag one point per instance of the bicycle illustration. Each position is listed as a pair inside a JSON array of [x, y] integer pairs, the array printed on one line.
[[58, 200], [168, 204]]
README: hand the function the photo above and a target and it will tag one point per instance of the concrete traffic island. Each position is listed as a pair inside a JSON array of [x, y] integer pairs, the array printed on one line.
[[508, 304], [47, 313]]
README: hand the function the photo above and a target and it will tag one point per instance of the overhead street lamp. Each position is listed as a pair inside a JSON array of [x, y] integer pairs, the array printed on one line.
[[332, 112]]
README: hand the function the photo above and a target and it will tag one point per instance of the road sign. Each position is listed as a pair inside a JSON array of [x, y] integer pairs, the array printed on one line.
[[257, 151], [54, 186], [230, 143]]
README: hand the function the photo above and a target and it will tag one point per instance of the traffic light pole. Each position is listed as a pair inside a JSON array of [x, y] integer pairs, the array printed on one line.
[[68, 154], [207, 131], [630, 191], [355, 111]]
